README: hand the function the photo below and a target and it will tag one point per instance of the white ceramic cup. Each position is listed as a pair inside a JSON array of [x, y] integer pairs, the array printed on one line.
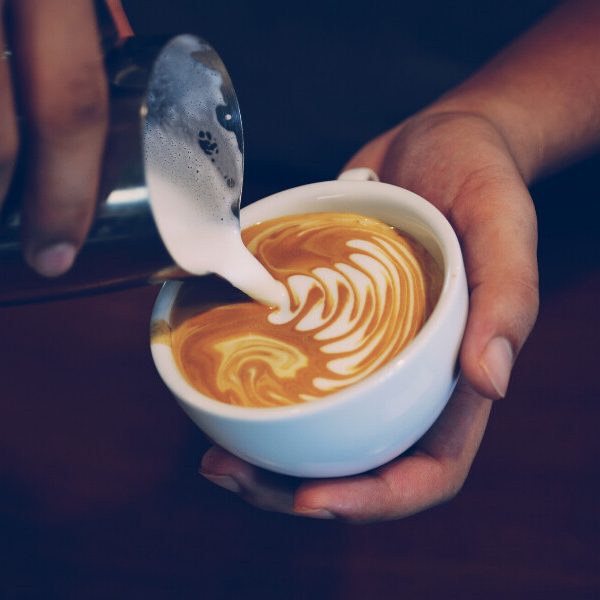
[[371, 422]]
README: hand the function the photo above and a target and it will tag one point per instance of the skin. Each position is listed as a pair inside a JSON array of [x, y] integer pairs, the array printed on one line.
[[56, 70], [472, 154], [478, 187]]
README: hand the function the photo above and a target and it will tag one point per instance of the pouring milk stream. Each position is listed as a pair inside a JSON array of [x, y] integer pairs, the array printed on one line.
[[194, 160]]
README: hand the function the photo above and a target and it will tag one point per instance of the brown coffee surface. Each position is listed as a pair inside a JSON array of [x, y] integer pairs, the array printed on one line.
[[359, 290]]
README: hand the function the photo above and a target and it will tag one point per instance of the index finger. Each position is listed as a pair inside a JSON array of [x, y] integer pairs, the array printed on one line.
[[432, 473]]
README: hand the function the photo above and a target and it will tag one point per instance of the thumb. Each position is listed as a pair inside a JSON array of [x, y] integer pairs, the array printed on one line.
[[495, 221], [494, 218]]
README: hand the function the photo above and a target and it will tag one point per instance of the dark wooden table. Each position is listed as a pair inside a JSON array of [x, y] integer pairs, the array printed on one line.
[[100, 497]]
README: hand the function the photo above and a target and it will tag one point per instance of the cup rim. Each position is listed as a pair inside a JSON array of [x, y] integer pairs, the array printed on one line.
[[449, 247]]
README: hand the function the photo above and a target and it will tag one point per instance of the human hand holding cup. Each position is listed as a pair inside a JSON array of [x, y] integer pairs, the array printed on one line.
[[481, 191], [370, 422]]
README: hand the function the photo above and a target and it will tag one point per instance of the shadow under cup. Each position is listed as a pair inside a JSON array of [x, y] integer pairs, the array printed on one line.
[[370, 422]]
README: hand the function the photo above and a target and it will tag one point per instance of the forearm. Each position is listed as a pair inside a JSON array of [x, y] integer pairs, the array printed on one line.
[[543, 91]]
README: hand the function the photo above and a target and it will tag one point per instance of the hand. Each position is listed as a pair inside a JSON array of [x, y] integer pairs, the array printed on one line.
[[53, 77], [461, 163]]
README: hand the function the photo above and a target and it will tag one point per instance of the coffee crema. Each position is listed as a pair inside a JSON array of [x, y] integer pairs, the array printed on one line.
[[359, 292]]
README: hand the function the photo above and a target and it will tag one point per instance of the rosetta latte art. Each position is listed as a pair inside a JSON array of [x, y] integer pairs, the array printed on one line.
[[359, 292]]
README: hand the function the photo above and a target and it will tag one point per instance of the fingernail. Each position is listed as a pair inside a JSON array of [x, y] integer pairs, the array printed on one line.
[[223, 481], [54, 260], [316, 513], [496, 362]]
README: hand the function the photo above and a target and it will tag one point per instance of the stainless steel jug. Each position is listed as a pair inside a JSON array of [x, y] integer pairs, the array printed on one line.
[[123, 246]]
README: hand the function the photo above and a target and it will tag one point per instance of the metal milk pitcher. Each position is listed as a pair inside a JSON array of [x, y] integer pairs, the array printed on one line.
[[123, 247]]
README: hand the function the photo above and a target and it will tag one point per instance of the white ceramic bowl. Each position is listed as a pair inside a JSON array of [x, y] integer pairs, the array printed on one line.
[[370, 422]]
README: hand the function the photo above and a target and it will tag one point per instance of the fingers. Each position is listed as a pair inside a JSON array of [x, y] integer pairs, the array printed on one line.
[[9, 139], [263, 489], [64, 94], [432, 473]]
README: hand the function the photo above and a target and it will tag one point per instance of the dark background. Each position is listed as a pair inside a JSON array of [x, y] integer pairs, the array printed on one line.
[[99, 492]]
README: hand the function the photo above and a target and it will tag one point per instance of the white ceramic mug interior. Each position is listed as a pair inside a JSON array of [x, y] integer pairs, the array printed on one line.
[[370, 422]]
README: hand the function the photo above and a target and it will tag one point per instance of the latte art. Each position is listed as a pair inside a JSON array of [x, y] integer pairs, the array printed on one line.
[[359, 292]]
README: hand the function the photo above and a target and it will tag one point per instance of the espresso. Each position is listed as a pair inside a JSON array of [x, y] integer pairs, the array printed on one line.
[[359, 292]]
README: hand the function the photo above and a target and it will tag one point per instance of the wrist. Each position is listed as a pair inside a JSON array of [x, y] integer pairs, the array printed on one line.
[[541, 92]]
